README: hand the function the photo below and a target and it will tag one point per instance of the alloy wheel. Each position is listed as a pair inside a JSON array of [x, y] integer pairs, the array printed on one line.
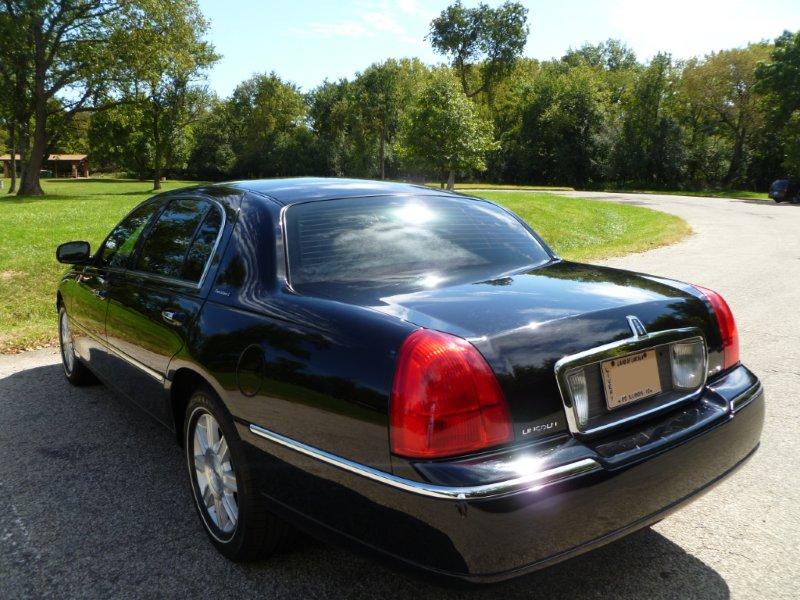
[[214, 474]]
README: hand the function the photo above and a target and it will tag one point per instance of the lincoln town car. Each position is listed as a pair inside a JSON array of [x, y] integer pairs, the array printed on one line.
[[406, 371]]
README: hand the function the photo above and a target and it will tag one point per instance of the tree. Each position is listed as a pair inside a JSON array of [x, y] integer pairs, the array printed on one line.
[[212, 154], [74, 58], [444, 132], [722, 85], [491, 37], [560, 130], [611, 55], [267, 120], [382, 92], [779, 81], [118, 139], [168, 60], [649, 150]]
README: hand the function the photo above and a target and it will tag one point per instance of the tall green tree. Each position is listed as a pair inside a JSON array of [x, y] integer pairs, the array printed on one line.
[[269, 130], [482, 43], [382, 92], [649, 150], [722, 85], [443, 131], [779, 80], [561, 126], [169, 62], [75, 56]]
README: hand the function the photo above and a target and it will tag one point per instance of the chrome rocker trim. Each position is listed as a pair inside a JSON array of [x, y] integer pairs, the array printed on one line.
[[531, 482], [118, 353]]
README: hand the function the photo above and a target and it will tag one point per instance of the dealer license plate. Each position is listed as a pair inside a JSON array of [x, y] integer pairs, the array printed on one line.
[[630, 378]]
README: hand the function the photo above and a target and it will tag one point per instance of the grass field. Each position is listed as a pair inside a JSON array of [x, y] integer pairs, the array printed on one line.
[[30, 230]]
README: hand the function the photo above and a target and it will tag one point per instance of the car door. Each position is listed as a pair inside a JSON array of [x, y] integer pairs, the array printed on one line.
[[152, 306], [87, 304]]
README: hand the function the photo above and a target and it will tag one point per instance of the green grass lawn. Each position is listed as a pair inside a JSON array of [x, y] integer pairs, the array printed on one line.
[[30, 230]]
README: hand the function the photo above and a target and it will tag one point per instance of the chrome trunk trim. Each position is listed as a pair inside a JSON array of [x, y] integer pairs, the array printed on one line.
[[630, 345]]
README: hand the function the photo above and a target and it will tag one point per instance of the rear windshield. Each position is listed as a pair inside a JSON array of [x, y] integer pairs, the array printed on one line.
[[405, 241]]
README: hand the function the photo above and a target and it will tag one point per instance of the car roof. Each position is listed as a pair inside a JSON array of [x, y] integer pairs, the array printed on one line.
[[302, 189]]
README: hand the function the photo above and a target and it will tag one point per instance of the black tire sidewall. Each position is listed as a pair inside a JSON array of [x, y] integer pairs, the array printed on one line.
[[205, 401]]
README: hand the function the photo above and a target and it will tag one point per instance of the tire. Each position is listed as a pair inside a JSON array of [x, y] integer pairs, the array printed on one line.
[[75, 371], [231, 509]]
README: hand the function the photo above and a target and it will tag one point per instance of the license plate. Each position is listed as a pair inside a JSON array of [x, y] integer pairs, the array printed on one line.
[[630, 378]]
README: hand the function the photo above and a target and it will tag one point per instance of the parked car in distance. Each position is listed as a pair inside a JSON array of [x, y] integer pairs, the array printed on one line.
[[408, 371], [785, 190]]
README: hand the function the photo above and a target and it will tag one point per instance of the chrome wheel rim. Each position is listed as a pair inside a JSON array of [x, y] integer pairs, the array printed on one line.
[[214, 474], [67, 345]]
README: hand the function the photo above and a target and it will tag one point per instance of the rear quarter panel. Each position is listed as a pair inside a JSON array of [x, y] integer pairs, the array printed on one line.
[[314, 370]]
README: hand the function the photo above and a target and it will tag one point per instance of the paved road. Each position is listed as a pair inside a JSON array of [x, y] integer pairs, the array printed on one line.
[[93, 500]]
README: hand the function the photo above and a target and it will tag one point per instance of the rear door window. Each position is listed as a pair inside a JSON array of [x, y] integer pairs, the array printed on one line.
[[181, 240]]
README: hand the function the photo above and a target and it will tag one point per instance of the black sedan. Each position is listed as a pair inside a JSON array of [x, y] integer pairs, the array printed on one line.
[[785, 190], [407, 371]]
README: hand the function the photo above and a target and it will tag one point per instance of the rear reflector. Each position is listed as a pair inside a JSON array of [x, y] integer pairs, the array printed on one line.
[[445, 399], [727, 326]]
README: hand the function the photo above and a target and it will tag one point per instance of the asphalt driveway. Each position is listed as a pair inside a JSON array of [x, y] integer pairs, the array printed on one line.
[[93, 501]]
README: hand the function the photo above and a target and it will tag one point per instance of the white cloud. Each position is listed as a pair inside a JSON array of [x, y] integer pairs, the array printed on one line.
[[686, 28], [345, 29], [378, 18]]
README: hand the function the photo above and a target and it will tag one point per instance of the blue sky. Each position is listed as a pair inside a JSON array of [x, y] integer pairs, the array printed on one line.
[[306, 41]]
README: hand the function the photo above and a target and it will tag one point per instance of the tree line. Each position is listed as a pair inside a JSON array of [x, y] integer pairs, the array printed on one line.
[[124, 81]]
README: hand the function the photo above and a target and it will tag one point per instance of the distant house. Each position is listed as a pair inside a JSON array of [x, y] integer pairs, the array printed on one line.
[[60, 165]]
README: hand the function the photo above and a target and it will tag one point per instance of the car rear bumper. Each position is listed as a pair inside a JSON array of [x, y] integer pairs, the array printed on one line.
[[564, 500]]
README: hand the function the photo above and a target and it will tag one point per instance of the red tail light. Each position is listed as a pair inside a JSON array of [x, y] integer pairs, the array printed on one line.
[[727, 326], [445, 399]]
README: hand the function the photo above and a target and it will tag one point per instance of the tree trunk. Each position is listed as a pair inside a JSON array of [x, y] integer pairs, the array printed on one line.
[[156, 139], [735, 168], [383, 153], [451, 179], [30, 184], [13, 187]]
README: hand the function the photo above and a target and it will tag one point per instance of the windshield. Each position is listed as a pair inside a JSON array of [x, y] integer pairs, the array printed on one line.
[[405, 242]]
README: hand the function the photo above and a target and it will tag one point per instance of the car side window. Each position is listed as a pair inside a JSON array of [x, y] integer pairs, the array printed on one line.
[[167, 247], [121, 243], [203, 245]]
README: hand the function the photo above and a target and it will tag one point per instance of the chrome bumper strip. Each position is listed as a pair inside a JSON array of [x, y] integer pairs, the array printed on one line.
[[746, 398], [527, 482]]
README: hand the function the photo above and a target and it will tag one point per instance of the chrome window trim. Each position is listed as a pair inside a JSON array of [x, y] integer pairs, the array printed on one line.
[[630, 345], [183, 282], [530, 482]]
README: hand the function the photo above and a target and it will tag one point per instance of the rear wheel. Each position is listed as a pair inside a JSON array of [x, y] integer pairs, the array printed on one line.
[[74, 370], [223, 484]]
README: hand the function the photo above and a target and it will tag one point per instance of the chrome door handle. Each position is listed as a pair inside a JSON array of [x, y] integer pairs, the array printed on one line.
[[172, 317]]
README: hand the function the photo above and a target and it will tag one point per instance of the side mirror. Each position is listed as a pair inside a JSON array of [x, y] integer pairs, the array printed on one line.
[[73, 253]]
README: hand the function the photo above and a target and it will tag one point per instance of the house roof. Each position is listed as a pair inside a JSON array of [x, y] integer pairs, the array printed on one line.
[[53, 157]]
